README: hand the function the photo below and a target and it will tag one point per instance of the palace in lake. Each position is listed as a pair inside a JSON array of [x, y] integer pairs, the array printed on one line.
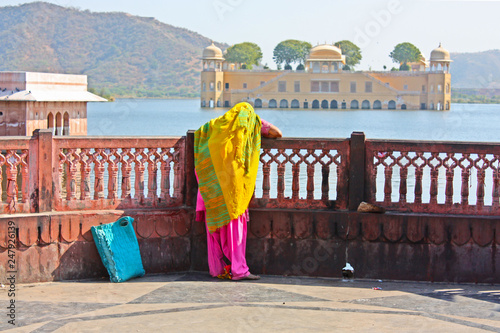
[[323, 84]]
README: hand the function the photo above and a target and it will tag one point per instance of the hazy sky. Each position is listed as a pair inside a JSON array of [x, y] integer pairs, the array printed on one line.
[[374, 25]]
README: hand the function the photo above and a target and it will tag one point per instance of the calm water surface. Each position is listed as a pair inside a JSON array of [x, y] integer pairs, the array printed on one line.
[[465, 122]]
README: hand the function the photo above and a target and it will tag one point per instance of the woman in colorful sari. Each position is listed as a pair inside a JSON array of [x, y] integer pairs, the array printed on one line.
[[227, 155]]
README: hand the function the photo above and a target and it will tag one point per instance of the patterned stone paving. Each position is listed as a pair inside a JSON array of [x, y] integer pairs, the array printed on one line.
[[194, 302]]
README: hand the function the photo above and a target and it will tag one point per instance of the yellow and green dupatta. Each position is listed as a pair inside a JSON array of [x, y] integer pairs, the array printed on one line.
[[226, 155]]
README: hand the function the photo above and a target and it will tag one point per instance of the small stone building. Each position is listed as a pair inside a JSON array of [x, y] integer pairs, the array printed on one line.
[[30, 101]]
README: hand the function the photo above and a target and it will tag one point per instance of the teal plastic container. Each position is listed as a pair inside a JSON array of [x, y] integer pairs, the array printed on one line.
[[119, 250]]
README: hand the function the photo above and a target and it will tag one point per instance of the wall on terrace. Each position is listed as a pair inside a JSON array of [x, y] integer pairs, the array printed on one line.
[[308, 233]]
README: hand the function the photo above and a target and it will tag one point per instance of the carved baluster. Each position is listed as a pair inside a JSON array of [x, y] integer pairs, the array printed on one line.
[[310, 182], [99, 159], [388, 184], [266, 184], [339, 184], [449, 187], [480, 179], [25, 176], [113, 174], [11, 173], [450, 172], [496, 187], [480, 189], [281, 173], [139, 159], [152, 173], [296, 159], [85, 166], [465, 178], [325, 185], [281, 181], [434, 185], [72, 159], [177, 173], [465, 187], [403, 173], [126, 170], [165, 174], [418, 175], [418, 185], [295, 181]]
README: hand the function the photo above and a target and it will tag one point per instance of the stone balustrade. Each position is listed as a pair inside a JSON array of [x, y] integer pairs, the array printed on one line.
[[442, 199]]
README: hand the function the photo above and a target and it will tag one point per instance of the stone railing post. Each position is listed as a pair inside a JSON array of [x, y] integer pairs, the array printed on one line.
[[356, 170], [190, 182], [45, 195]]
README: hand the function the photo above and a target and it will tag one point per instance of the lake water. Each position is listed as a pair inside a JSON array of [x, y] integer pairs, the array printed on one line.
[[465, 122], [140, 117]]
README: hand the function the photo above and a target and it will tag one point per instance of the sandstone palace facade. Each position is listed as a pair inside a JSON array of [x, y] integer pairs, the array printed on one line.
[[30, 101], [324, 85]]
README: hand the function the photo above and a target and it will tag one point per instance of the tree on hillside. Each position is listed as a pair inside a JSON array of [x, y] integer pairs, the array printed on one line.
[[351, 51], [246, 53], [404, 53], [290, 51]]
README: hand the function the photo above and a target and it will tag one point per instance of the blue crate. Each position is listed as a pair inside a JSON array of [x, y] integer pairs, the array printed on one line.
[[119, 250]]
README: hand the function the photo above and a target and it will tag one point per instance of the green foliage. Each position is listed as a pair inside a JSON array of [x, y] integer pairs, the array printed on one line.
[[244, 53], [404, 67], [127, 56], [290, 51], [351, 51], [404, 53]]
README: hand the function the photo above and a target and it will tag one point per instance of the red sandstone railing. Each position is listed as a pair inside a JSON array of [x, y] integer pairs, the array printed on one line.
[[45, 173], [303, 173], [437, 177], [15, 176], [110, 173]]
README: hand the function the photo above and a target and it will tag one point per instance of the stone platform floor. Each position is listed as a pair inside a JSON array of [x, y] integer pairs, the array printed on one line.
[[195, 302]]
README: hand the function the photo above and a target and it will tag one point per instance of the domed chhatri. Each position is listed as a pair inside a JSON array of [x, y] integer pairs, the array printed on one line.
[[323, 81], [212, 52], [326, 52], [440, 54]]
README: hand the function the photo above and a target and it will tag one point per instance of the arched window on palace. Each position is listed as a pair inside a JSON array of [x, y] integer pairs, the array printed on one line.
[[66, 124], [324, 68], [50, 122], [316, 67]]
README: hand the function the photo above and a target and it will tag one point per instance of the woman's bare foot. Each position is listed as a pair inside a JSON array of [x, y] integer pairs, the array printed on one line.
[[251, 277]]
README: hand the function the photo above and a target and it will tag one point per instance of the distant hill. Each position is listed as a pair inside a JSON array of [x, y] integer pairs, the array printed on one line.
[[132, 56], [480, 70], [123, 55]]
